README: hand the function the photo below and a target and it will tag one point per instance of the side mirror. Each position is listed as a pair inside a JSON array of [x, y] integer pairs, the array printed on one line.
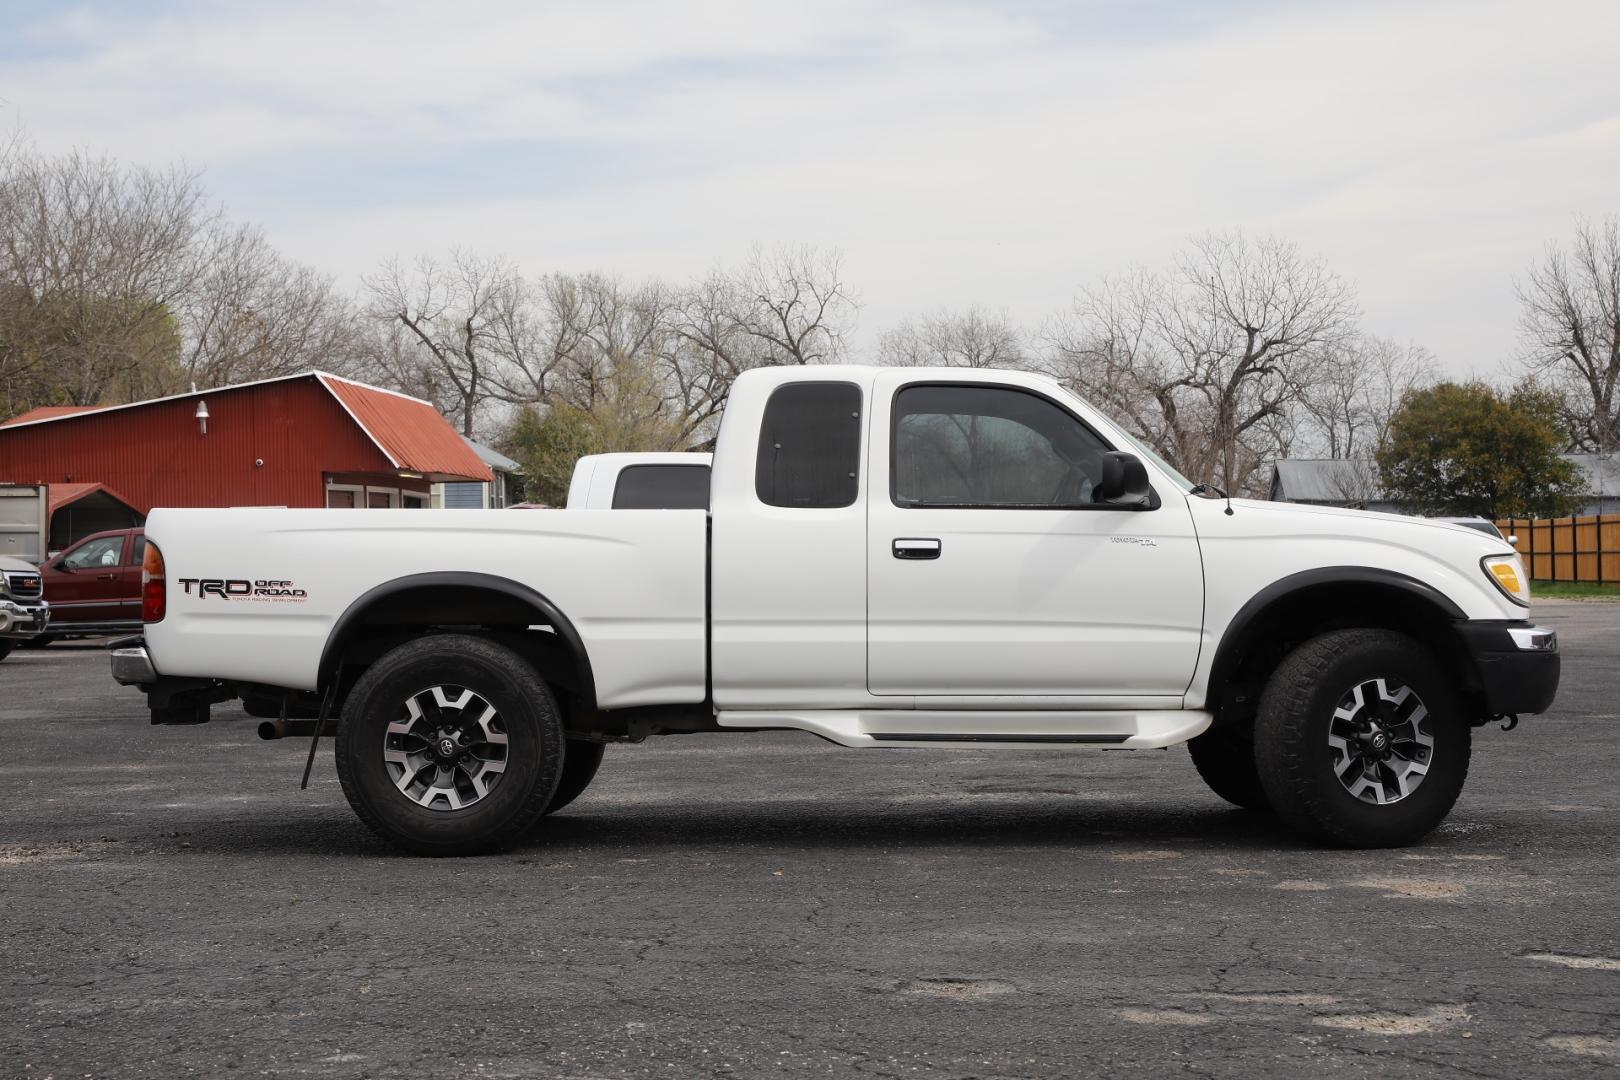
[[1514, 540], [1124, 481]]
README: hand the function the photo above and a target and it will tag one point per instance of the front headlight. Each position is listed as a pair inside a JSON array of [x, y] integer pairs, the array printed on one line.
[[1507, 571]]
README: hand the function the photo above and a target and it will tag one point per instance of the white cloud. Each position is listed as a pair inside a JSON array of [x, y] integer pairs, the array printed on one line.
[[958, 154]]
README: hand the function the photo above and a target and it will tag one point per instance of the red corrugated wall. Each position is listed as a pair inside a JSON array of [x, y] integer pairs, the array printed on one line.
[[154, 455]]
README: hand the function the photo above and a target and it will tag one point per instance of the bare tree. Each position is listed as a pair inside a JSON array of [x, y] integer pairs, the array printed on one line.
[[784, 307], [1354, 481], [974, 338], [1355, 388], [1571, 324], [95, 259], [452, 310], [253, 314], [541, 329], [1201, 359], [793, 301]]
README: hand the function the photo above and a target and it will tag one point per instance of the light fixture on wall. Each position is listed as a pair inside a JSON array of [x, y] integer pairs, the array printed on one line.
[[202, 416]]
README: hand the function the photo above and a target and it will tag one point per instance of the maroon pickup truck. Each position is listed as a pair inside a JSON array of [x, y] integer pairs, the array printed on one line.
[[94, 586]]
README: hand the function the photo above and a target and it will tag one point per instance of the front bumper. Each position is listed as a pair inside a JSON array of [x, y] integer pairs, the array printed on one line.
[[1517, 662], [24, 620]]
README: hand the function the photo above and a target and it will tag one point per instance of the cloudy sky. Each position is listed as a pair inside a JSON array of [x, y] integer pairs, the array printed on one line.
[[994, 153]]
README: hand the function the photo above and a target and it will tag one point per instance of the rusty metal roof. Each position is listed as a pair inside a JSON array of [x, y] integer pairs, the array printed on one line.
[[409, 431], [61, 495], [49, 412]]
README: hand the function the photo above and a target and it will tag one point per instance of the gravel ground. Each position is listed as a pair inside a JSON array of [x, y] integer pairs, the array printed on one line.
[[770, 905]]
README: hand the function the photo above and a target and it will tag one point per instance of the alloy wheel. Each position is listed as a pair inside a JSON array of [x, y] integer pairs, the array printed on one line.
[[447, 750], [1381, 742]]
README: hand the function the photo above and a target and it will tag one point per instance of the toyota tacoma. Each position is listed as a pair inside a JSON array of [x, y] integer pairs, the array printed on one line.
[[888, 558]]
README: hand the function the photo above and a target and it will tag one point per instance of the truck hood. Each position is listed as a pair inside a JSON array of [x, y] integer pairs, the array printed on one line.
[[1376, 523], [1285, 538]]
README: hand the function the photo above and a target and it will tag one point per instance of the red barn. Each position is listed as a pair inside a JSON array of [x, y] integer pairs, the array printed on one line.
[[301, 440]]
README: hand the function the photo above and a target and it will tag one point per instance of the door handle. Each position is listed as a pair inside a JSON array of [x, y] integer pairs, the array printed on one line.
[[916, 548], [106, 577]]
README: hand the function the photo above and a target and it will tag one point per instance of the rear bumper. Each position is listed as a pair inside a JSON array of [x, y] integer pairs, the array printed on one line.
[[171, 699], [24, 620], [132, 666], [1518, 664]]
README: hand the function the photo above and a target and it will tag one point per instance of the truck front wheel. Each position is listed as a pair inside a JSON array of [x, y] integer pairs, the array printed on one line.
[[450, 745], [578, 770], [1361, 739], [1224, 757]]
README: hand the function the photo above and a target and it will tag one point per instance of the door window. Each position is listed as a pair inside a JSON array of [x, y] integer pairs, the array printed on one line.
[[137, 552], [95, 553], [991, 447]]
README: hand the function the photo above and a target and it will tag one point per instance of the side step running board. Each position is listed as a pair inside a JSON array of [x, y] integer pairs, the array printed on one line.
[[897, 736], [1143, 730]]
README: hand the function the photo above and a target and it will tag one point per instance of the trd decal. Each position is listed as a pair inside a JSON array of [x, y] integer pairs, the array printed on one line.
[[242, 589]]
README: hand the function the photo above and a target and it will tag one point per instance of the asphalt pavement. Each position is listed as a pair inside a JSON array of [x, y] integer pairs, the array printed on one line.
[[770, 905]]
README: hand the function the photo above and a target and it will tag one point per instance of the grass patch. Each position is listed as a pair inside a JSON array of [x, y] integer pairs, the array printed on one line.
[[1573, 590]]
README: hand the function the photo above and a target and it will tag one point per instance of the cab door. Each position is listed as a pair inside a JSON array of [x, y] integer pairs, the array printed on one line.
[[992, 572], [83, 583]]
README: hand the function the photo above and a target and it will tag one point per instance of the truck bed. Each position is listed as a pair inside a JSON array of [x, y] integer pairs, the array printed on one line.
[[261, 589]]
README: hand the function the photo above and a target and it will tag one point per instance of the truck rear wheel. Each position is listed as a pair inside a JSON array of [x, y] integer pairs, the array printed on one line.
[[1225, 759], [450, 745], [578, 770], [1361, 739]]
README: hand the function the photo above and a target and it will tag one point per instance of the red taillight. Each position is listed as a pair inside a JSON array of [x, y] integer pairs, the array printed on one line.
[[152, 584]]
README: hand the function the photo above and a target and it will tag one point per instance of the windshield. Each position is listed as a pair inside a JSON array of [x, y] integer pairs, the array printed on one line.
[[1480, 526], [1147, 451]]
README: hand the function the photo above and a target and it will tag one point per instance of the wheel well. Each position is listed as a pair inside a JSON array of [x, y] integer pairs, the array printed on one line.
[[1259, 639], [497, 608]]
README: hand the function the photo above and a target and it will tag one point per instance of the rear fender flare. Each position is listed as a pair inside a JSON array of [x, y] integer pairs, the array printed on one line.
[[353, 617]]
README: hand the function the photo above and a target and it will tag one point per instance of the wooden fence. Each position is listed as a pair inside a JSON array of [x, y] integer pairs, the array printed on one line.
[[1568, 549]]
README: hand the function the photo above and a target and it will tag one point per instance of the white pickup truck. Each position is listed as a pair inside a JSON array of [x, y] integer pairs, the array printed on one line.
[[888, 558]]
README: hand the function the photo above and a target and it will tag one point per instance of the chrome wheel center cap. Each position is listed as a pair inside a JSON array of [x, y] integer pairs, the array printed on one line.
[[1380, 741], [447, 747]]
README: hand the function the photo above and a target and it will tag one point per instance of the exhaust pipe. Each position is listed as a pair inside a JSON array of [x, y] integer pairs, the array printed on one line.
[[282, 729]]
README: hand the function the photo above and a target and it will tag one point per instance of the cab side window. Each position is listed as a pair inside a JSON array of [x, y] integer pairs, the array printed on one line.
[[991, 446], [810, 446]]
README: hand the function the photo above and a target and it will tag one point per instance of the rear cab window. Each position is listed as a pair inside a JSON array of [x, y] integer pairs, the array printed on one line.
[[662, 487]]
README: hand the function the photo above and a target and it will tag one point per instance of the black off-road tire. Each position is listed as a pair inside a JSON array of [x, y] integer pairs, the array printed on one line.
[[1296, 764], [1224, 757], [534, 752], [578, 770], [6, 645]]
